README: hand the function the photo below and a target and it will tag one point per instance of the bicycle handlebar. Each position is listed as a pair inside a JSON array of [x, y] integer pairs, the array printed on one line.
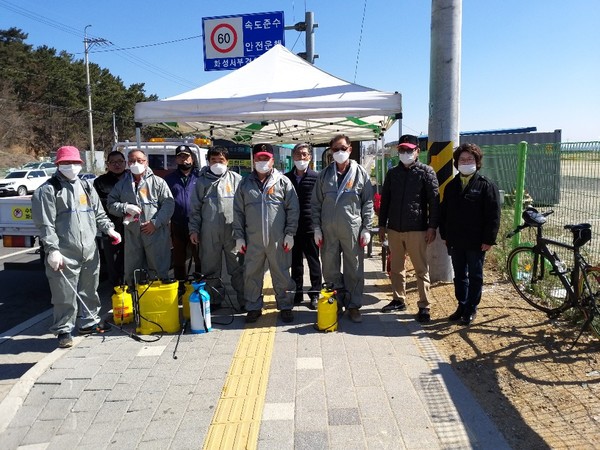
[[515, 231], [531, 214]]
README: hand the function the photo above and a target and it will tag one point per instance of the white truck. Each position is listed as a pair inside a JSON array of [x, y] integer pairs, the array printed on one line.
[[16, 225], [161, 152]]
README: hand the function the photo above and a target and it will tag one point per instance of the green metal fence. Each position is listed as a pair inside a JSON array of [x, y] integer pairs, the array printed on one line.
[[563, 177]]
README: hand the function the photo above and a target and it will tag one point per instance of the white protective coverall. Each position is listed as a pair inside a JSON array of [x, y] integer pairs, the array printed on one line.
[[145, 251], [342, 213], [68, 220], [263, 214], [211, 217]]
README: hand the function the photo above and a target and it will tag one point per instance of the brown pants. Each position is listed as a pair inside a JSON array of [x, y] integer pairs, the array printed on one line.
[[413, 244]]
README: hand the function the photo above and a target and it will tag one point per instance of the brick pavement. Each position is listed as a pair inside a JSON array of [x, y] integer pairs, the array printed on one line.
[[379, 384]]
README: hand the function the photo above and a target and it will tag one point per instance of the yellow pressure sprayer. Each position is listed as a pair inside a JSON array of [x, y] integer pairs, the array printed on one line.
[[327, 309]]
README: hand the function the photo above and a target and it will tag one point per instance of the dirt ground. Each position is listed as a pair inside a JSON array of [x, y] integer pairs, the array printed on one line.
[[520, 367]]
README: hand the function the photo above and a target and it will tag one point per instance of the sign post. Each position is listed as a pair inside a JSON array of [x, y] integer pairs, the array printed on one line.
[[231, 42]]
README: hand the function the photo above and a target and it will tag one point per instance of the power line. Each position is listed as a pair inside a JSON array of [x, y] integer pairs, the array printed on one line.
[[362, 25], [135, 60], [39, 18], [118, 49]]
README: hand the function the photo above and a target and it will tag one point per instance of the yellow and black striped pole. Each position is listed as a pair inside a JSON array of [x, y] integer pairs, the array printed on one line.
[[439, 157]]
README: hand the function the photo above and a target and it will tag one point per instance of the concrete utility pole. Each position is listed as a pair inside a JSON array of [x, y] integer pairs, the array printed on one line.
[[87, 43], [308, 26], [444, 110]]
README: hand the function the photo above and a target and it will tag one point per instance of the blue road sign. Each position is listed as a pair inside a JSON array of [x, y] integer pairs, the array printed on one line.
[[231, 42]]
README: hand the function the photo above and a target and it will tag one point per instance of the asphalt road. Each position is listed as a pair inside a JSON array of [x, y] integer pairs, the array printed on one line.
[[24, 291]]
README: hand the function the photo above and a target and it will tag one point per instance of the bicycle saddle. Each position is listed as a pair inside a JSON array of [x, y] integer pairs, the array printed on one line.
[[580, 226], [582, 233], [533, 218]]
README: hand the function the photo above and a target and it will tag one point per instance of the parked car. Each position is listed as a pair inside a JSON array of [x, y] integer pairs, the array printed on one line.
[[87, 176], [49, 167], [22, 182]]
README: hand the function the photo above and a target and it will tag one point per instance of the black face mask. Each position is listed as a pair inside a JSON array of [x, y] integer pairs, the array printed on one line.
[[186, 166]]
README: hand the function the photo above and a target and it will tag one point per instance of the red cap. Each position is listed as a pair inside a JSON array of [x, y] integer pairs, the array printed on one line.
[[68, 153], [407, 145], [262, 150]]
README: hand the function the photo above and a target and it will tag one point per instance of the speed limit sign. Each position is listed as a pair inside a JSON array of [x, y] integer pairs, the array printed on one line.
[[223, 38], [231, 42]]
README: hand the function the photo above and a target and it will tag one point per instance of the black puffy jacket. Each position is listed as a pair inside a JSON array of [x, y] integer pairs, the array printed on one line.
[[470, 216], [410, 199], [304, 190]]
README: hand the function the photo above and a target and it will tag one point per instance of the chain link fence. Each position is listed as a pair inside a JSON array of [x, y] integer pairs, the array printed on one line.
[[564, 177]]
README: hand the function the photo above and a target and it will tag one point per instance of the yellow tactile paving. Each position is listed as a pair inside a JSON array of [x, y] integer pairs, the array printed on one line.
[[236, 422]]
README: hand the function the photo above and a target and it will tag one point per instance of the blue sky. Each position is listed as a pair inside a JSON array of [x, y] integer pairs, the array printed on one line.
[[524, 62]]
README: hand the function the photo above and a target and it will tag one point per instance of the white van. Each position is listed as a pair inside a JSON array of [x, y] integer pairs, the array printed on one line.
[[161, 153]]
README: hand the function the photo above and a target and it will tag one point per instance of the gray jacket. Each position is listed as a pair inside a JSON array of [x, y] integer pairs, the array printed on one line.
[[69, 219], [349, 206], [212, 200], [268, 214], [152, 195]]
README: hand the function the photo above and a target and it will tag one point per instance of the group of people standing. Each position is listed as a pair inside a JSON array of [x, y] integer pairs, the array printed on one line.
[[267, 219]]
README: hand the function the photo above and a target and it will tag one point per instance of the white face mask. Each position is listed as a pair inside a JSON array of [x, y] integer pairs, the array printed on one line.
[[341, 156], [407, 158], [70, 170], [262, 166], [301, 165], [467, 169], [137, 168], [218, 168]]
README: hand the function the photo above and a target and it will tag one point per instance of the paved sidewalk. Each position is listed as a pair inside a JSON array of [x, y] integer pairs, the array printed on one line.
[[376, 385]]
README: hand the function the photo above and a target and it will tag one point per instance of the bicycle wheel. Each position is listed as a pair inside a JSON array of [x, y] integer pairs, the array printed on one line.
[[589, 303], [530, 274]]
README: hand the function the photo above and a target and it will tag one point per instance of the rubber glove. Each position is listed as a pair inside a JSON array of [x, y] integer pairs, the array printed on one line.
[[116, 237], [240, 246], [318, 237], [133, 210], [365, 238], [55, 260], [288, 243]]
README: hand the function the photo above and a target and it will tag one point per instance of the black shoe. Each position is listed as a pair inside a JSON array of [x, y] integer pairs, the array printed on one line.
[[215, 306], [298, 296], [100, 327], [65, 340], [394, 305], [467, 319], [287, 315], [423, 315], [253, 316], [314, 301], [456, 315]]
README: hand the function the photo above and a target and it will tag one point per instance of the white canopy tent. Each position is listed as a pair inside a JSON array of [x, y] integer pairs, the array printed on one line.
[[277, 98]]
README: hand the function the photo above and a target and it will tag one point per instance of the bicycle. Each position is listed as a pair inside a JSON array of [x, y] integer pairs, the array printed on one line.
[[546, 283]]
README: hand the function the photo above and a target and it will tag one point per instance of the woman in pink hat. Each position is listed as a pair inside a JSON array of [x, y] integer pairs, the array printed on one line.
[[68, 213]]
